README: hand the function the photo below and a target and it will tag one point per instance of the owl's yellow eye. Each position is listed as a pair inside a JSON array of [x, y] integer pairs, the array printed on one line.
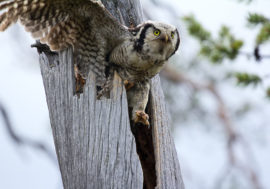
[[172, 35], [157, 32]]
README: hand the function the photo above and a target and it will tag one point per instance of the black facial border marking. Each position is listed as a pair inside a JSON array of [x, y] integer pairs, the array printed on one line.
[[177, 43], [138, 45]]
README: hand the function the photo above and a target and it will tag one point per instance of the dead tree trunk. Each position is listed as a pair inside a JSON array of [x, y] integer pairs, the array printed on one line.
[[96, 145]]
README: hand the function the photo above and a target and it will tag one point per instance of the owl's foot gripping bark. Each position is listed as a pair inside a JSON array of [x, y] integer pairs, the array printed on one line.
[[137, 101], [141, 117]]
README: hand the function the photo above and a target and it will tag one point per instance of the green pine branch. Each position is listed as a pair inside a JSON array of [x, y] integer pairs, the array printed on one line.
[[256, 19], [246, 79], [264, 34], [196, 29], [216, 49]]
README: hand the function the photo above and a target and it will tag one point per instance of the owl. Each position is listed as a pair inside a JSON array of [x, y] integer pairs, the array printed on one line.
[[99, 42]]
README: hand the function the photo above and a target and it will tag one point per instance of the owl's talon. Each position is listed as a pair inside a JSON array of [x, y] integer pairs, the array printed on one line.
[[141, 117]]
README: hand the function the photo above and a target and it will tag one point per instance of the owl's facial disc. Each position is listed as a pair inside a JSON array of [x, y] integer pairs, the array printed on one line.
[[163, 41], [162, 36], [157, 39]]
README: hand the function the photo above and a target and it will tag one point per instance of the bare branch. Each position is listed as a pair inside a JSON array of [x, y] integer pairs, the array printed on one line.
[[36, 145], [233, 136]]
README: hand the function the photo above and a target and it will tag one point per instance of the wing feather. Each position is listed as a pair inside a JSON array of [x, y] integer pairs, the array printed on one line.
[[44, 18], [64, 23]]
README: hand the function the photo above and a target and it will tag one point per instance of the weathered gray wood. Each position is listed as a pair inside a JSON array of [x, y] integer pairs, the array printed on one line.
[[93, 139], [167, 164]]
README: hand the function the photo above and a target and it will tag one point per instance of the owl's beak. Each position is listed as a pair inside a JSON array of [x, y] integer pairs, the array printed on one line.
[[164, 38]]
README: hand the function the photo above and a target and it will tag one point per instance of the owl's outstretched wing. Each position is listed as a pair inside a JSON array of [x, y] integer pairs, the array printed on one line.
[[64, 23]]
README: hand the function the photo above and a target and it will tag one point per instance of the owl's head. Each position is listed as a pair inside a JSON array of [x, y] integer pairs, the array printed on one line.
[[157, 38]]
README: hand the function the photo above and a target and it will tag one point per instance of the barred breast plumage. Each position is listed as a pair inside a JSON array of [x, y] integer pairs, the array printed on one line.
[[98, 40]]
